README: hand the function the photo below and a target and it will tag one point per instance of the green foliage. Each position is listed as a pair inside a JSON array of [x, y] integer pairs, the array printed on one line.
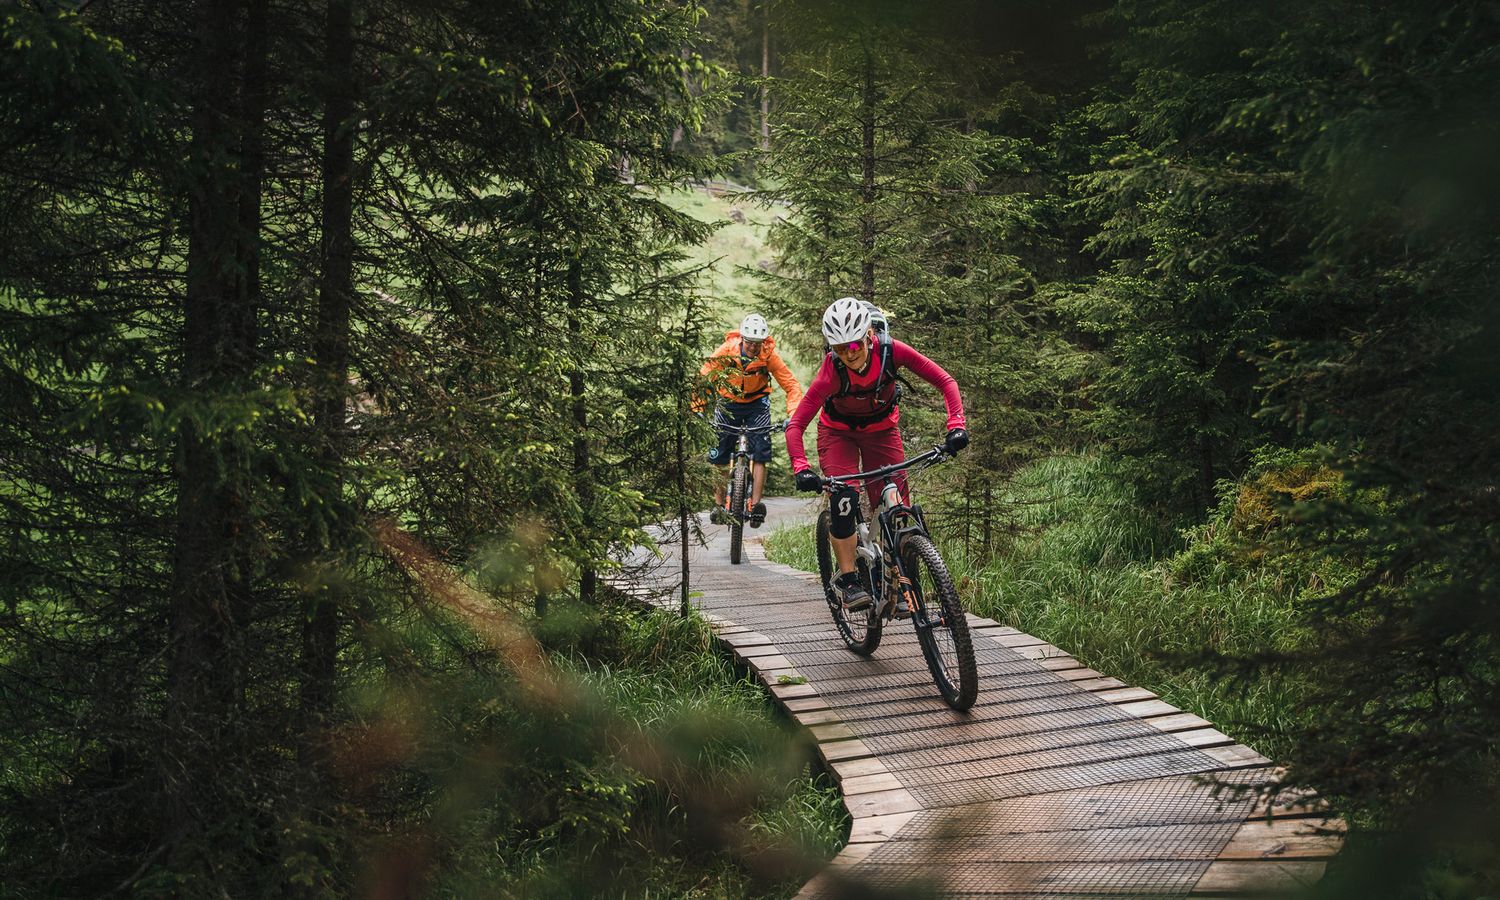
[[914, 178], [180, 514], [880, 166], [545, 801], [1289, 261], [1191, 224], [1248, 251]]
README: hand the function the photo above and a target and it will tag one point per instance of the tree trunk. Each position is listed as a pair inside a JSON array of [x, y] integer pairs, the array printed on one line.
[[683, 403], [211, 576], [583, 482], [1205, 444], [331, 344], [867, 181], [987, 526], [678, 130], [765, 72]]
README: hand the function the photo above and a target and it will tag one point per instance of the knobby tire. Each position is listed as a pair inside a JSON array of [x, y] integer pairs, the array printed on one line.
[[945, 640], [861, 634], [737, 510]]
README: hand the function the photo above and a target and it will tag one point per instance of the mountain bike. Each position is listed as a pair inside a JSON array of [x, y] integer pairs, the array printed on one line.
[[900, 566], [734, 510]]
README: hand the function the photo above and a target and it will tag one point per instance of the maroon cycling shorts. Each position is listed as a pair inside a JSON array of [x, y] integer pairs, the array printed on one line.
[[843, 452]]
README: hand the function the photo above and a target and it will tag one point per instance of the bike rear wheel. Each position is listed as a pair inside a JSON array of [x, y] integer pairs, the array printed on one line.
[[738, 484], [942, 629], [860, 630]]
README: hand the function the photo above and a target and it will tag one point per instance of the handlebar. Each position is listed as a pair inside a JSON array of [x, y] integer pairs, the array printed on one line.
[[931, 458], [747, 429]]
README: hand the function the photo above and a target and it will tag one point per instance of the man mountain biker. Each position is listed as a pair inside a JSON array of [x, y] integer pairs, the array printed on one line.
[[741, 370], [857, 398]]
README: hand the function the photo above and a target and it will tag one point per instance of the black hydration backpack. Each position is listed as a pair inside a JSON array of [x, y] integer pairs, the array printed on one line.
[[884, 394]]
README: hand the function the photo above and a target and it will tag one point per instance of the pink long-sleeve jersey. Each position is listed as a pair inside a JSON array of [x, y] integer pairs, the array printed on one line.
[[826, 383]]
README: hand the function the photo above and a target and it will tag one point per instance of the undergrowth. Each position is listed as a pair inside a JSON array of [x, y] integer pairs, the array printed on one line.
[[579, 816]]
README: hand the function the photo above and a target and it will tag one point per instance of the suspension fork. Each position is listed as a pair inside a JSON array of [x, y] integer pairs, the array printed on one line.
[[892, 536]]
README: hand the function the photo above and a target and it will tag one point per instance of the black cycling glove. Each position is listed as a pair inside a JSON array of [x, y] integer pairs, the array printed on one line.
[[808, 480], [957, 440]]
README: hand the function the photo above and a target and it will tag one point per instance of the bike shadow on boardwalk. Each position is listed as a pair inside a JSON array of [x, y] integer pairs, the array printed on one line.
[[1060, 781]]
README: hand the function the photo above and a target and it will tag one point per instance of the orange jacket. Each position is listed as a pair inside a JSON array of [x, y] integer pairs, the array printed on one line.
[[744, 380]]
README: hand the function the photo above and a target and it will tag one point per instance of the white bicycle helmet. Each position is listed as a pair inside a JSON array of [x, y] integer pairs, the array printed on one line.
[[754, 328], [846, 321]]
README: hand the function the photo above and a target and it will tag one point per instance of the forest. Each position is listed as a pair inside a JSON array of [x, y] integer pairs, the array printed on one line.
[[346, 346]]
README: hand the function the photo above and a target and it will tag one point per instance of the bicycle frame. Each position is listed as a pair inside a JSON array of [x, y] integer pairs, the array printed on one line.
[[742, 445], [736, 493], [896, 520]]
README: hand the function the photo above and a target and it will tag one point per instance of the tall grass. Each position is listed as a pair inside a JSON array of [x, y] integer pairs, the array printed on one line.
[[661, 674], [1094, 573]]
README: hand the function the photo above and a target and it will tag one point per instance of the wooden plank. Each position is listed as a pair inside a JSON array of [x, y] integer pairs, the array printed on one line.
[[1257, 878], [1179, 722], [866, 784], [853, 768], [991, 626], [783, 676], [792, 690], [757, 650], [1015, 639], [812, 717], [874, 829], [1057, 663], [1204, 737], [1145, 709], [768, 664], [833, 751], [746, 639], [1300, 806], [1286, 839], [853, 853], [834, 731], [1042, 651], [1098, 684], [881, 803], [1237, 755], [1125, 695], [803, 704]]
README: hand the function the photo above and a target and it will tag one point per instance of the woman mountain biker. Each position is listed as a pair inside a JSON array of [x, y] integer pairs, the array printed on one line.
[[857, 397], [741, 370]]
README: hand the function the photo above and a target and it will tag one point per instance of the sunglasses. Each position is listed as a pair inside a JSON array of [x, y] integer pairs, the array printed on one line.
[[851, 347]]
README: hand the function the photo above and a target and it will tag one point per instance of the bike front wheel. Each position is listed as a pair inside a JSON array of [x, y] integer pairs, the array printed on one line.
[[738, 487], [942, 628], [860, 630]]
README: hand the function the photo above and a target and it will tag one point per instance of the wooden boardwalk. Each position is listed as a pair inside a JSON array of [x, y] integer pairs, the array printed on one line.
[[1060, 782]]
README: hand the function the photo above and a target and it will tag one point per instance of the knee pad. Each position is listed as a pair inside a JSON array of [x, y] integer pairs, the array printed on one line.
[[843, 509]]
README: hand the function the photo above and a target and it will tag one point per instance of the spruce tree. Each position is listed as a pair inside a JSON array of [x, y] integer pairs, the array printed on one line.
[[1193, 231], [1382, 113], [257, 299], [908, 185]]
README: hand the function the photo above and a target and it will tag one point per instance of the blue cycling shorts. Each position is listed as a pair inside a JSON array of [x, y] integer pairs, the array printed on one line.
[[756, 413]]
